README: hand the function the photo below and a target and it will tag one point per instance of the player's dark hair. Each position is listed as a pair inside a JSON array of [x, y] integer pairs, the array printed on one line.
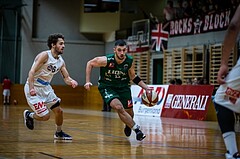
[[120, 42], [53, 39]]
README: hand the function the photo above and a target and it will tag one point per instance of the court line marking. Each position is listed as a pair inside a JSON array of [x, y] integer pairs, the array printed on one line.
[[50, 155]]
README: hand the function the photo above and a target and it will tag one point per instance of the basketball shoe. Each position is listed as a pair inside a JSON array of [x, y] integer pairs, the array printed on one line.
[[127, 131], [234, 156], [139, 134], [29, 122], [62, 136]]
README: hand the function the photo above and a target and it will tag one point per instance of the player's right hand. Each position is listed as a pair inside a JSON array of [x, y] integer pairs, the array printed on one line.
[[74, 84], [32, 92], [87, 85], [223, 71]]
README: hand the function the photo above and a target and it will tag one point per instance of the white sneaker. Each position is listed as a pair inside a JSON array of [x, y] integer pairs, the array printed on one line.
[[235, 156]]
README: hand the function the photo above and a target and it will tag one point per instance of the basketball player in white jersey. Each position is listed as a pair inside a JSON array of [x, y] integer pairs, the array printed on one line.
[[38, 91], [227, 100]]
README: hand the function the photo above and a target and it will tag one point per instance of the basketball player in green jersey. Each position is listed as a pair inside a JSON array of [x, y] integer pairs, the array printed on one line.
[[116, 72]]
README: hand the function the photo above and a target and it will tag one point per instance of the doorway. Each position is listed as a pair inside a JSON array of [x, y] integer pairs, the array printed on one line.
[[157, 71]]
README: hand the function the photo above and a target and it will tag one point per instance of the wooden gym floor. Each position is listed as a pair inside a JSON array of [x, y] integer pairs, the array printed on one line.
[[99, 135]]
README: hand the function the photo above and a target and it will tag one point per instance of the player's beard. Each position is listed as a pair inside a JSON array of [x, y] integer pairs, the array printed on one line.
[[59, 52], [121, 57]]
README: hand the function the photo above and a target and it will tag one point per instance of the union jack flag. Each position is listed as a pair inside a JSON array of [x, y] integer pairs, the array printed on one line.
[[159, 38]]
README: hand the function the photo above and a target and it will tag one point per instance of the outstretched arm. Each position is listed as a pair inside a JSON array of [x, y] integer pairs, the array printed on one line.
[[67, 79], [228, 43], [95, 62]]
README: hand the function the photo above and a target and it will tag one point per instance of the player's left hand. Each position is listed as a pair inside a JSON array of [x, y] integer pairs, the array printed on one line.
[[148, 89], [74, 83]]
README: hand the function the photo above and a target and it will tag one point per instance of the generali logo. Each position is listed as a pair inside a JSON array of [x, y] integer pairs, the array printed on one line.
[[187, 102]]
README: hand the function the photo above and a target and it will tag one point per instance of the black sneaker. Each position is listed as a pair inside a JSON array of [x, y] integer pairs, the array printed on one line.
[[127, 131], [29, 123], [139, 134], [62, 136], [235, 156]]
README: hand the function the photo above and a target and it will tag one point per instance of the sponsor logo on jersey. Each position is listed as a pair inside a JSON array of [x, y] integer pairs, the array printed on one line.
[[130, 103], [111, 65], [125, 67], [232, 94]]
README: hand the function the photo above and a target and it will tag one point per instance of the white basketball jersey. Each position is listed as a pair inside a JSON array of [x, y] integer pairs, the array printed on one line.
[[228, 94], [45, 74]]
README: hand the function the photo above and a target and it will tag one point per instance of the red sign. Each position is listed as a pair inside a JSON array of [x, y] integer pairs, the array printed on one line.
[[187, 101]]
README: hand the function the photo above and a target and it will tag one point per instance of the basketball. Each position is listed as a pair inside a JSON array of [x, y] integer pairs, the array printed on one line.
[[149, 98], [15, 102]]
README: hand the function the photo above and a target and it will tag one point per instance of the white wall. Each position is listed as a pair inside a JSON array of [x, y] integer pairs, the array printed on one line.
[[64, 16], [58, 16]]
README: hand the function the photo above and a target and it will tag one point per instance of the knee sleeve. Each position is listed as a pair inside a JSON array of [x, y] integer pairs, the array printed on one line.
[[226, 119], [55, 105]]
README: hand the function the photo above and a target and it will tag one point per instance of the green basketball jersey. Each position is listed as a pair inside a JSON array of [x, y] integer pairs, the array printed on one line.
[[115, 75]]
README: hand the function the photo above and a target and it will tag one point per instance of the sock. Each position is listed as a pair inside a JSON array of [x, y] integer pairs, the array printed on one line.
[[135, 126], [58, 128], [230, 142], [31, 115]]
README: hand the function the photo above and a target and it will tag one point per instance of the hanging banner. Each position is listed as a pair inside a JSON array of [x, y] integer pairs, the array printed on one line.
[[200, 24], [158, 36]]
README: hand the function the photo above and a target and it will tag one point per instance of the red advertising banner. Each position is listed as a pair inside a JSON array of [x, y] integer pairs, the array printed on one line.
[[187, 101]]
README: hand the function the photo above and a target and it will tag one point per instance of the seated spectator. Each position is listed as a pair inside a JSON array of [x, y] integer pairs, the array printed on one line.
[[195, 81], [205, 9], [172, 81], [179, 9], [178, 81], [192, 8], [211, 6], [187, 9], [175, 81], [233, 5], [199, 81], [169, 12], [189, 81], [205, 81]]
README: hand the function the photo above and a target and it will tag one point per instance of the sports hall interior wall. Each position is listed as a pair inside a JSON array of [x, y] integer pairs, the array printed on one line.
[[41, 18], [78, 46], [78, 97]]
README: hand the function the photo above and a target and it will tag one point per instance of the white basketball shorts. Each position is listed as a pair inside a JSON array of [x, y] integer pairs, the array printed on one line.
[[6, 92], [44, 99]]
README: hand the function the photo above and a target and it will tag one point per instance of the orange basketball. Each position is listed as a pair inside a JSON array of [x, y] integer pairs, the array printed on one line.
[[149, 98], [15, 102]]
